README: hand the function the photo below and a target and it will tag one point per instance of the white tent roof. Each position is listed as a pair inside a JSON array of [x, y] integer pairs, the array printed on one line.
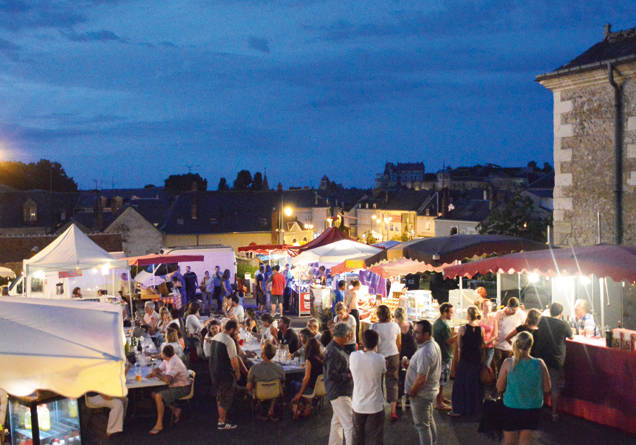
[[73, 249], [335, 253], [41, 349]]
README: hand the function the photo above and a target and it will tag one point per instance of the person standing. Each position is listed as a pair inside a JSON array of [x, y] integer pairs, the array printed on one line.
[[523, 380], [407, 349], [267, 282], [224, 371], [206, 291], [191, 284], [422, 382], [491, 330], [227, 287], [467, 390], [351, 302], [288, 301], [342, 316], [339, 385], [445, 338], [338, 295], [367, 368], [585, 324], [508, 318], [390, 341], [549, 345], [217, 284], [259, 290], [278, 288]]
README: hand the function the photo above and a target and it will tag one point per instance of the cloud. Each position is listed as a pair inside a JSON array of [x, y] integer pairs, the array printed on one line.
[[16, 15], [258, 44], [103, 35]]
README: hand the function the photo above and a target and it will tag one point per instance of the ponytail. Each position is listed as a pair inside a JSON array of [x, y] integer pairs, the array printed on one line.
[[521, 347]]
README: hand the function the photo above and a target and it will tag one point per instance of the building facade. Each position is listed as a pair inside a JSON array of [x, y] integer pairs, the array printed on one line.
[[594, 126]]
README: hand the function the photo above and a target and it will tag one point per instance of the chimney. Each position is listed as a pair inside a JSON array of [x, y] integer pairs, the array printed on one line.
[[608, 31], [194, 208], [99, 213]]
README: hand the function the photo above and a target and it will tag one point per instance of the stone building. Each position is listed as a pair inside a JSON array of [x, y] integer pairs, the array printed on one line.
[[595, 143]]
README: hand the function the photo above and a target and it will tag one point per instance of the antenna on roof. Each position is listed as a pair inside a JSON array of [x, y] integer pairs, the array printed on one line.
[[608, 30]]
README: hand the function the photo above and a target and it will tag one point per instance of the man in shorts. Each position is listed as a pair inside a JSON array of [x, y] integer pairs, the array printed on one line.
[[224, 371], [278, 288], [173, 372], [445, 338]]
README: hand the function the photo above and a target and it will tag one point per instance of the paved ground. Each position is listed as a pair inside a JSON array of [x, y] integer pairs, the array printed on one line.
[[199, 423]]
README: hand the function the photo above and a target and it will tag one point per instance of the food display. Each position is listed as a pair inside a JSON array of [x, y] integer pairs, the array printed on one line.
[[56, 418], [419, 304]]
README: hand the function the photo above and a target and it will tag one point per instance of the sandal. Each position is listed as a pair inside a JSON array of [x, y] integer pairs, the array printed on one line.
[[155, 431]]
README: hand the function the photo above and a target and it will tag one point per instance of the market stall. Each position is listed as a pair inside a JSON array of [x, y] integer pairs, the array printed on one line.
[[595, 273], [47, 362]]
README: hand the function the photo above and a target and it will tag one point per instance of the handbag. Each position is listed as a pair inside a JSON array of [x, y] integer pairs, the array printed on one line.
[[487, 375], [492, 415]]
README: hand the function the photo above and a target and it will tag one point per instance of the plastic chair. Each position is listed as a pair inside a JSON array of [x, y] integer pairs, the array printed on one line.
[[188, 397], [266, 390], [319, 391]]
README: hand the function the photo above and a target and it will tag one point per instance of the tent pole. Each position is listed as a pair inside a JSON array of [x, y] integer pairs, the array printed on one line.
[[498, 289], [130, 290], [601, 285], [461, 292], [153, 275], [519, 285]]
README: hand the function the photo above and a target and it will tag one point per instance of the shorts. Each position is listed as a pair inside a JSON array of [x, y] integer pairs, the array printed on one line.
[[446, 371], [172, 394], [225, 393], [520, 419], [276, 299], [557, 379]]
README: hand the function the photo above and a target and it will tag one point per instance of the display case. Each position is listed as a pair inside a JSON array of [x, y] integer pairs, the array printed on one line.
[[419, 304], [45, 418]]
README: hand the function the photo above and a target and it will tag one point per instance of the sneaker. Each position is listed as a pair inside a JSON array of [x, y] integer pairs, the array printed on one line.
[[226, 426]]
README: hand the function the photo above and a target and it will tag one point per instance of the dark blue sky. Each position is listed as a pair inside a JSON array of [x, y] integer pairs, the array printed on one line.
[[129, 92]]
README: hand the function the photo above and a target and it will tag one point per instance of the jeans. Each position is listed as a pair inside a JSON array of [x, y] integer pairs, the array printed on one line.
[[368, 429], [422, 412], [341, 422], [490, 353]]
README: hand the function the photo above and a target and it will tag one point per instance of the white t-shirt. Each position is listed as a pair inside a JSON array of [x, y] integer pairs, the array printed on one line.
[[193, 324], [177, 348], [228, 341], [177, 370], [506, 324], [388, 333], [351, 322], [367, 369], [238, 311]]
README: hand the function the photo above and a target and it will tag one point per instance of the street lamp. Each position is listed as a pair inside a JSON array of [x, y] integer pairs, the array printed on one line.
[[288, 211]]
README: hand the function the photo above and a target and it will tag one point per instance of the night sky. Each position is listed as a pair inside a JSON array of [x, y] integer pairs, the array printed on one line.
[[129, 92]]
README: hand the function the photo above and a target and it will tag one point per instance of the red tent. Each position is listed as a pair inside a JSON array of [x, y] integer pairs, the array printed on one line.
[[616, 262], [329, 236], [147, 260], [269, 249]]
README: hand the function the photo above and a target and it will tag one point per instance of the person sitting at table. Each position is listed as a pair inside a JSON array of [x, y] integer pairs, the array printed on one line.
[[314, 327], [173, 372], [266, 371], [301, 407], [304, 336], [165, 320], [236, 311], [251, 324], [151, 319], [287, 336], [327, 334], [172, 339], [214, 327], [343, 316], [116, 410], [269, 330]]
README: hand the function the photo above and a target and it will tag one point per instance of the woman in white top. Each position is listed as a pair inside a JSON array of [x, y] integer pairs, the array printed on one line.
[[193, 323], [351, 303], [269, 330], [389, 344], [172, 339], [342, 316]]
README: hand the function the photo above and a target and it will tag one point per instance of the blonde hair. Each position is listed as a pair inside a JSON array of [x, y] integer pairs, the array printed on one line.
[[521, 347], [400, 314], [172, 336], [473, 313]]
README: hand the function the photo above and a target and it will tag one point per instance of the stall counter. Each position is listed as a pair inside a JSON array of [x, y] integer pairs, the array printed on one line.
[[599, 383]]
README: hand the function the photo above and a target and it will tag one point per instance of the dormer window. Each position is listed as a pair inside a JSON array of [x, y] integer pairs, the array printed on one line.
[[30, 212], [180, 221]]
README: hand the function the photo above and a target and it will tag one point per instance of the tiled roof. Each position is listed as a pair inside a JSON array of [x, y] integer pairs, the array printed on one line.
[[53, 209], [620, 45], [407, 200], [469, 210]]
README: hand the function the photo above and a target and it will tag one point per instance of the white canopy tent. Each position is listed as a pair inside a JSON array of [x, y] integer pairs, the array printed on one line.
[[71, 252], [335, 253], [5, 272], [41, 348]]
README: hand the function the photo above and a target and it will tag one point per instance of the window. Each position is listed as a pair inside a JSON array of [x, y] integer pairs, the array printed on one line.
[[212, 220], [180, 221], [30, 212]]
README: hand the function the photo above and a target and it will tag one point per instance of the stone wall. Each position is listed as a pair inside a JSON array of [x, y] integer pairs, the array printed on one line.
[[139, 237], [584, 159]]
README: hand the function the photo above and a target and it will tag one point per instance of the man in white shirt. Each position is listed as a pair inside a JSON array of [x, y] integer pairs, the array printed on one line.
[[173, 372], [422, 382], [508, 319], [367, 368], [151, 318], [236, 310]]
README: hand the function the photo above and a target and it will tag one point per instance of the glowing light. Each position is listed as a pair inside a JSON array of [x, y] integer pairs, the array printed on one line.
[[288, 211], [39, 274], [105, 269], [374, 217], [533, 277], [585, 280]]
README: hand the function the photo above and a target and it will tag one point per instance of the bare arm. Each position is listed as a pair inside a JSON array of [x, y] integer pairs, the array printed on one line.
[[495, 331], [420, 380], [503, 376], [306, 378], [398, 341], [512, 334], [236, 367], [547, 384]]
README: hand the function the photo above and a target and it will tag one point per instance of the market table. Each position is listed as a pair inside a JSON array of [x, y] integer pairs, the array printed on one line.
[[600, 383], [145, 382]]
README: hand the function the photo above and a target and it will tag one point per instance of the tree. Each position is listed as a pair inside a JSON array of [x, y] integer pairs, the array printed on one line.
[[517, 217], [183, 183], [368, 237], [532, 165], [257, 182], [223, 187], [547, 168], [41, 175], [243, 180]]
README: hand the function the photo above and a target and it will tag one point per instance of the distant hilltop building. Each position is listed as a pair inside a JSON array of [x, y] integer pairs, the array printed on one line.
[[410, 175], [595, 143]]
